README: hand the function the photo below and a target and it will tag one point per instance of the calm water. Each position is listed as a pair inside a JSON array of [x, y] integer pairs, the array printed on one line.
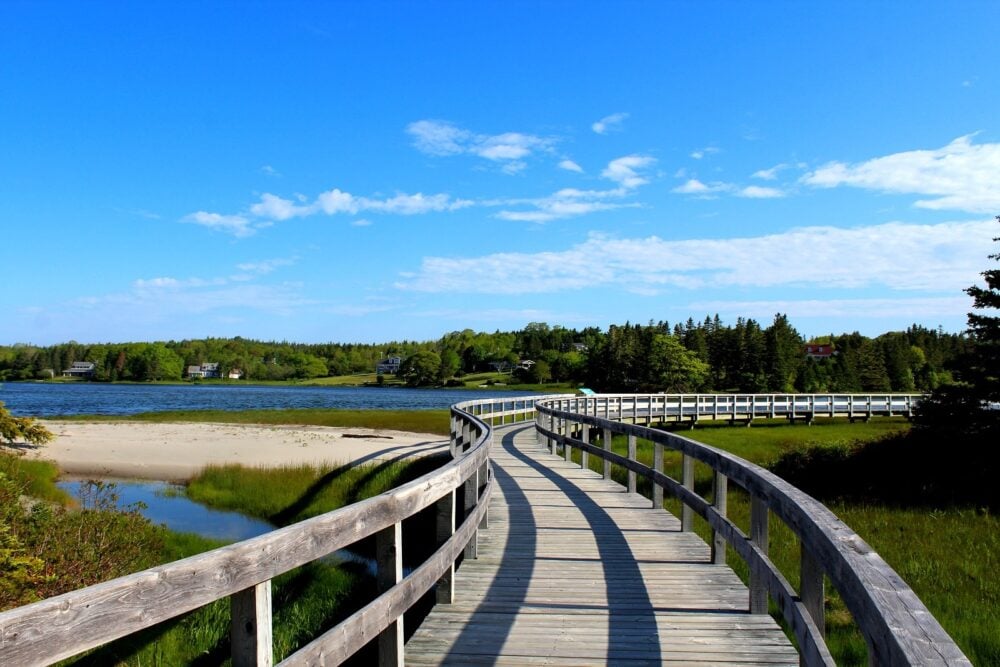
[[167, 504], [84, 398]]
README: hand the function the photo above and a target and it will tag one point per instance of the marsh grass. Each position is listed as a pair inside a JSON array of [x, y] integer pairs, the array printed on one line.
[[306, 601], [416, 421], [948, 554]]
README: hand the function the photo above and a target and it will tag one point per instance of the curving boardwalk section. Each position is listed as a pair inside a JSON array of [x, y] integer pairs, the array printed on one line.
[[573, 570]]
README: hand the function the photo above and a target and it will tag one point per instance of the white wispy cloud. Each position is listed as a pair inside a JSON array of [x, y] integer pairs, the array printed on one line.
[[758, 192], [442, 138], [693, 186], [829, 257], [771, 173], [266, 266], [272, 208], [571, 202], [270, 171], [237, 225], [625, 170], [960, 176], [609, 123], [569, 165], [864, 308], [702, 152]]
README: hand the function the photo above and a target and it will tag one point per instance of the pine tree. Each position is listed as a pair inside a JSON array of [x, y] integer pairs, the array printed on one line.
[[972, 406]]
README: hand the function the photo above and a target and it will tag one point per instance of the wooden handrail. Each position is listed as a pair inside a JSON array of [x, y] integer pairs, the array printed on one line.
[[895, 623], [66, 625]]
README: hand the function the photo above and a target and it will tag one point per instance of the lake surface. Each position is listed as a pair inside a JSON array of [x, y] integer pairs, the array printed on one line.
[[41, 399]]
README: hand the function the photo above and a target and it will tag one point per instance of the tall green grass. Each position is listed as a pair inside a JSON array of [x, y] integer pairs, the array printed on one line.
[[416, 421], [948, 554], [307, 600]]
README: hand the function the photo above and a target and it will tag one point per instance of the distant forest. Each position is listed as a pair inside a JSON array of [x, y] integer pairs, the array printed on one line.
[[688, 357]]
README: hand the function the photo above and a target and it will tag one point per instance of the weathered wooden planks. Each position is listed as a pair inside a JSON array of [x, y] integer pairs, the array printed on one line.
[[574, 571]]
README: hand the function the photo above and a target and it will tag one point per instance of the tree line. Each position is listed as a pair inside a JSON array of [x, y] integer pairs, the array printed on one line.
[[709, 355]]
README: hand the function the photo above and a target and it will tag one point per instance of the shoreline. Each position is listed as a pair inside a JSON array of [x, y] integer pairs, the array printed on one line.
[[176, 451]]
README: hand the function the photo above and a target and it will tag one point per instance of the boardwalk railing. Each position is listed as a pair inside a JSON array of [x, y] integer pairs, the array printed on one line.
[[692, 408], [66, 625], [897, 627]]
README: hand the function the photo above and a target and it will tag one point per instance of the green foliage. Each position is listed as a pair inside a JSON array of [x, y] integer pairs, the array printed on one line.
[[421, 369], [49, 549], [970, 408], [27, 429]]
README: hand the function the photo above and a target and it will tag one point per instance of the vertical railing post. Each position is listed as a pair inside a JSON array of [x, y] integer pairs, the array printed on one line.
[[584, 454], [453, 436], [552, 428], [250, 635], [389, 561], [483, 475], [466, 435], [658, 467], [758, 535], [445, 525], [606, 444], [631, 457], [812, 588], [687, 481], [567, 431], [471, 494], [720, 493]]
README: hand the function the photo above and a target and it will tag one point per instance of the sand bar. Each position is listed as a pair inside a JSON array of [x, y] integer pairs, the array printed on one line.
[[176, 451]]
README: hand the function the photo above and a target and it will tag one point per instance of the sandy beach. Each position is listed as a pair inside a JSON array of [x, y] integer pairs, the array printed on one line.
[[176, 451]]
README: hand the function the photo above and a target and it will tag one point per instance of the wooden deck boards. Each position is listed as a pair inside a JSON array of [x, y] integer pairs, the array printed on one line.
[[574, 571]]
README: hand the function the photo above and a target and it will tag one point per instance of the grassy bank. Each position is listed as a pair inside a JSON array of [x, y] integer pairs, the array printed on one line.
[[948, 553], [306, 601], [416, 421]]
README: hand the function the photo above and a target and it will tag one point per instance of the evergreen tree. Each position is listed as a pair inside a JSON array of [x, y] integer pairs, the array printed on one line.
[[972, 406]]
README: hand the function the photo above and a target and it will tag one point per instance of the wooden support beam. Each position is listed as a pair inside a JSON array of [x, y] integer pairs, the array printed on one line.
[[250, 636], [720, 494], [389, 561], [445, 528], [687, 481], [759, 515]]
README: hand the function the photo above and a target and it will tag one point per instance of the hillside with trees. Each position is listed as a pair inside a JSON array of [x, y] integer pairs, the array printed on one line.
[[686, 357]]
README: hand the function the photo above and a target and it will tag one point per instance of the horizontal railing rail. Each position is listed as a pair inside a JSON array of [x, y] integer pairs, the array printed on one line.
[[896, 625], [66, 625], [651, 408]]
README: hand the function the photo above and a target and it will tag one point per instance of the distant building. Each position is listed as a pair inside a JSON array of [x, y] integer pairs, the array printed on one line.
[[209, 370], [820, 350], [525, 364], [235, 374], [80, 369], [580, 347], [389, 365]]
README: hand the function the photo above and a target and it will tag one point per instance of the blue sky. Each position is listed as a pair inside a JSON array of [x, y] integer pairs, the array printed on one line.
[[389, 170]]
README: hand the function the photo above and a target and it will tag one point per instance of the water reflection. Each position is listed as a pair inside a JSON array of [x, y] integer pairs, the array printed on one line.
[[167, 504]]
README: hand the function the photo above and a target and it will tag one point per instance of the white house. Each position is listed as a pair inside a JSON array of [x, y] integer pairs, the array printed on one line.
[[389, 365], [80, 369], [208, 370]]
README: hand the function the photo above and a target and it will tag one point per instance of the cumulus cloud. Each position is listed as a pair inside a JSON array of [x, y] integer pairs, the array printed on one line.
[[569, 165], [609, 123], [960, 176], [442, 138], [276, 208], [827, 257]]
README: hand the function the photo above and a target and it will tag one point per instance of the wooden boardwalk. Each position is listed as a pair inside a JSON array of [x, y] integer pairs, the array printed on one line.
[[574, 571]]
